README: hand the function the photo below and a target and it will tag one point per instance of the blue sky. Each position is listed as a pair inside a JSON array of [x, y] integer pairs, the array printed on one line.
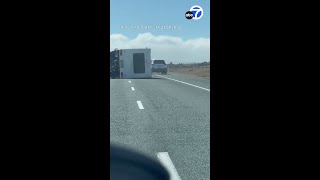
[[189, 43], [159, 12]]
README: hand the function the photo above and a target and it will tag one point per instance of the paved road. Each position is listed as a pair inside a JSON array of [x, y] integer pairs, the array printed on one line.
[[175, 118]]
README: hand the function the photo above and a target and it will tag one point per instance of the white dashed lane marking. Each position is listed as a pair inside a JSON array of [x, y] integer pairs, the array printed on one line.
[[140, 105]]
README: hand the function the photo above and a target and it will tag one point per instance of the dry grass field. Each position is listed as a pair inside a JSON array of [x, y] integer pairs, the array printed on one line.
[[197, 71]]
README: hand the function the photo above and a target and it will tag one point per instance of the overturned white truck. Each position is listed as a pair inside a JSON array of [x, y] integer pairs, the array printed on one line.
[[130, 63]]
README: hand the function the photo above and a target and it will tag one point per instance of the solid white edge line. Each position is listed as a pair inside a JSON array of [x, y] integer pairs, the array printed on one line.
[[184, 83], [132, 88], [140, 105], [167, 163]]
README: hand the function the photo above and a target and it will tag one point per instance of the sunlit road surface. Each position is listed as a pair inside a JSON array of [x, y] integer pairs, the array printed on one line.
[[167, 118]]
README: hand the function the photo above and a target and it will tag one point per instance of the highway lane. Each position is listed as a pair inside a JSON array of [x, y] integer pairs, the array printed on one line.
[[175, 118], [196, 80]]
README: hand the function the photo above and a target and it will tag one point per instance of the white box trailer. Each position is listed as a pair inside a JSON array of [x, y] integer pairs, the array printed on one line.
[[135, 63]]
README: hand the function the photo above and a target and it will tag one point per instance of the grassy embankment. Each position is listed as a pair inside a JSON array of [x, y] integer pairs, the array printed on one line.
[[201, 71]]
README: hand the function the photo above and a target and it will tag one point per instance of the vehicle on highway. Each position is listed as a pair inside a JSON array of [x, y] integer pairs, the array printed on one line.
[[159, 66], [130, 63]]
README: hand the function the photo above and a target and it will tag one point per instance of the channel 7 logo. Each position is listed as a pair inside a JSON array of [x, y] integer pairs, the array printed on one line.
[[195, 12]]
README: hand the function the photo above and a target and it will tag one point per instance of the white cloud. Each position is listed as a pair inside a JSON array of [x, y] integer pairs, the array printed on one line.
[[170, 48]]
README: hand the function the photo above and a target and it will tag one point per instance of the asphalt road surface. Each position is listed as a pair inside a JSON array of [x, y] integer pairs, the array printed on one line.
[[166, 117]]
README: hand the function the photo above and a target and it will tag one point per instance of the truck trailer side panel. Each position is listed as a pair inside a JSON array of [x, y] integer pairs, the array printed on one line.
[[135, 63], [138, 63], [114, 64]]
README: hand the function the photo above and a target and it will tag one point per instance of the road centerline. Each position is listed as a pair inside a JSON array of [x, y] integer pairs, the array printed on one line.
[[167, 163], [185, 83], [140, 105]]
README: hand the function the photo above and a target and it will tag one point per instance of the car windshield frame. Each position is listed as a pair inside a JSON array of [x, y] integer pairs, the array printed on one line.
[[159, 62]]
